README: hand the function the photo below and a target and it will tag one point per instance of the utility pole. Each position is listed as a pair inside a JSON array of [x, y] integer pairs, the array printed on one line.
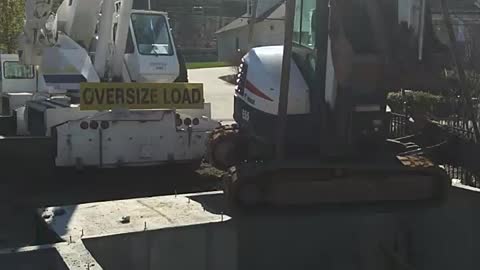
[[253, 20], [285, 80]]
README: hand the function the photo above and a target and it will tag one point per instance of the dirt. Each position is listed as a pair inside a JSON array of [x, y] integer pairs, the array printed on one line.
[[42, 189]]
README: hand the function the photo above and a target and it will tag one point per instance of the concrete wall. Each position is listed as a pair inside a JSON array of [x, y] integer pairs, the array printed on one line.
[[207, 247], [423, 237]]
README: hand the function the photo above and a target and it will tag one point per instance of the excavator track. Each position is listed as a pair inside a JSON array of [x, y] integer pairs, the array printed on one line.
[[309, 183]]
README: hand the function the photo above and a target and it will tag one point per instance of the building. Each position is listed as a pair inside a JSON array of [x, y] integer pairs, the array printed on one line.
[[269, 29]]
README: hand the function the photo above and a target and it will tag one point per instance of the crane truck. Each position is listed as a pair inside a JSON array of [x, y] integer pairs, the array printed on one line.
[[105, 85], [329, 95]]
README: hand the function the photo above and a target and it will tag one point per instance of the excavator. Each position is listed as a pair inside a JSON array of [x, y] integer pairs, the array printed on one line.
[[312, 118]]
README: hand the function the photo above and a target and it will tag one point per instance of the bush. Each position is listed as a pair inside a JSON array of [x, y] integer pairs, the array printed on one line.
[[420, 102]]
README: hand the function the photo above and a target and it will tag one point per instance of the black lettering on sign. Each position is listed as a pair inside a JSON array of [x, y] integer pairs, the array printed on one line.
[[196, 96], [144, 96], [153, 96], [87, 96], [119, 96], [130, 96], [176, 96], [99, 96], [166, 98], [186, 96], [110, 96], [137, 100]]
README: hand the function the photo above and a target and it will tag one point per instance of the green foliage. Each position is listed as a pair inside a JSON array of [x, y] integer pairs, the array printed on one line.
[[420, 102], [196, 65], [11, 23]]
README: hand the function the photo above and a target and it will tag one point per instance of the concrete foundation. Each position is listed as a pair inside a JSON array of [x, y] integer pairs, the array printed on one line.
[[192, 232], [200, 247]]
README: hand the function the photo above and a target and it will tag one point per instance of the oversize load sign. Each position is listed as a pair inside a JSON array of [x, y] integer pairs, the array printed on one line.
[[105, 96]]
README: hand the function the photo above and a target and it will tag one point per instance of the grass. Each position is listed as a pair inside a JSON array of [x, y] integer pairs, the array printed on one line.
[[195, 65]]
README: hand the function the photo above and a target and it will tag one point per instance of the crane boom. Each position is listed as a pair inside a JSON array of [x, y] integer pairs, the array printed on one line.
[[37, 31]]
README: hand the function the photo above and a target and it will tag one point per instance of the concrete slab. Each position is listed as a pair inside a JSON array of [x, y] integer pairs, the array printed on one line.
[[185, 231], [125, 216], [217, 91]]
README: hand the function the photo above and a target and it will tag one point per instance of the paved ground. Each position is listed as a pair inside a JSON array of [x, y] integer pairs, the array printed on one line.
[[217, 92], [73, 222]]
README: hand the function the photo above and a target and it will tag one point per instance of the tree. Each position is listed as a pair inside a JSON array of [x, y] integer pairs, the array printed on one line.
[[11, 23]]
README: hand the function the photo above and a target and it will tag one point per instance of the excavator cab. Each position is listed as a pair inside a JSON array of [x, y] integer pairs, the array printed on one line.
[[347, 54]]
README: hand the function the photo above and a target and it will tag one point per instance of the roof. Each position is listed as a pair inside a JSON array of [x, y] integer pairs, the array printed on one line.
[[276, 12], [235, 24]]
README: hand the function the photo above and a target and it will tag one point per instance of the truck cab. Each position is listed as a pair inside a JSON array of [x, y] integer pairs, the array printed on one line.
[[15, 76], [18, 82]]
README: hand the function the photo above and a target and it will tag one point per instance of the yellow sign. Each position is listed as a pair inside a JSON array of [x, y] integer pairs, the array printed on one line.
[[105, 96]]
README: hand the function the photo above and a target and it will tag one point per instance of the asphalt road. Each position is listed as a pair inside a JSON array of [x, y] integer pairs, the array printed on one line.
[[217, 92]]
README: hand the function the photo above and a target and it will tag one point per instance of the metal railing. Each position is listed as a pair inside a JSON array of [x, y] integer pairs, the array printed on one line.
[[399, 127], [459, 127], [464, 130]]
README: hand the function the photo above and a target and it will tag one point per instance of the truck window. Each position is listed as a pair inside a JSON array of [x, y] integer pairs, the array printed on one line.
[[152, 34], [15, 70], [129, 48], [304, 23]]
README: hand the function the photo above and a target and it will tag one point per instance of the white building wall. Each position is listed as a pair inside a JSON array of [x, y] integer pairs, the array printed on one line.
[[266, 33], [269, 33], [227, 43]]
